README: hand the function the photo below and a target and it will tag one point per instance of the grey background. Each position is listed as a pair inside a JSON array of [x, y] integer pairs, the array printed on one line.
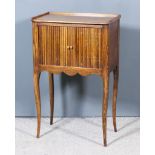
[[78, 96]]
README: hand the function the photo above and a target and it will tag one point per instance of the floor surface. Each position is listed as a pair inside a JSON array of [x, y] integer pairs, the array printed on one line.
[[77, 136]]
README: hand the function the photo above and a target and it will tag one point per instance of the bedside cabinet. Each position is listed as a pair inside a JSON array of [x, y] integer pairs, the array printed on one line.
[[76, 43]]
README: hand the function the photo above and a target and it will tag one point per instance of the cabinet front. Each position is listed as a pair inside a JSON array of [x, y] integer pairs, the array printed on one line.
[[70, 46]]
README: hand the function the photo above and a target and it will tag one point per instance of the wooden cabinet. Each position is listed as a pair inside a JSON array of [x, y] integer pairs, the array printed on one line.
[[83, 43]]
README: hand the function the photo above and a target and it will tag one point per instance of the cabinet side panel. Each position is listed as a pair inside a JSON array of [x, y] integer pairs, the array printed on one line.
[[35, 46], [114, 44], [104, 60]]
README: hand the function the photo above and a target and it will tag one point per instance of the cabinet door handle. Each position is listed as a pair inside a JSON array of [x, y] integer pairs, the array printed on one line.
[[69, 47]]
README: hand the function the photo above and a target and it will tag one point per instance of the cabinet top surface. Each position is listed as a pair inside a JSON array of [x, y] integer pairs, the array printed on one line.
[[83, 18]]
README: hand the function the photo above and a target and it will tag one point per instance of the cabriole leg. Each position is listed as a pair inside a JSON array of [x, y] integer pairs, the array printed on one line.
[[115, 90], [105, 106], [51, 94], [36, 77]]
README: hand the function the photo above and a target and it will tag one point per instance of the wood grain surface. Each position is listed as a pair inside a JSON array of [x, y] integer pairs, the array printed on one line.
[[86, 18]]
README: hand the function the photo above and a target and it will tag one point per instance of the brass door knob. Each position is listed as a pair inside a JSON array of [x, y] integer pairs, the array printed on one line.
[[69, 47]]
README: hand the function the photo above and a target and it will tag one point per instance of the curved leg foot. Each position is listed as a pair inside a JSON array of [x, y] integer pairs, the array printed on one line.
[[115, 90], [36, 77], [105, 106], [51, 91]]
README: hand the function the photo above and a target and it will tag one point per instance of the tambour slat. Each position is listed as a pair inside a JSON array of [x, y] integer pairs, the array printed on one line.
[[86, 43], [54, 45]]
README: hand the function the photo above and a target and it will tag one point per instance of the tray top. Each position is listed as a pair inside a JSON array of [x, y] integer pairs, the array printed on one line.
[[83, 18]]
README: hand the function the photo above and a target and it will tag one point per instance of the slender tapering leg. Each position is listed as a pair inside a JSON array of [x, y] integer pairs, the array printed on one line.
[[51, 91], [36, 77], [115, 90], [105, 106]]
